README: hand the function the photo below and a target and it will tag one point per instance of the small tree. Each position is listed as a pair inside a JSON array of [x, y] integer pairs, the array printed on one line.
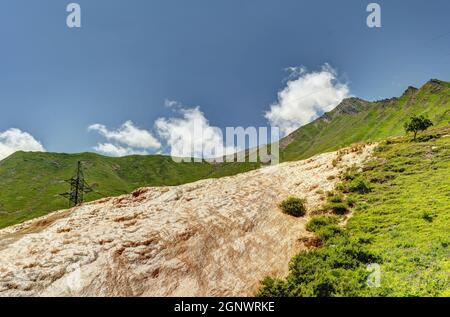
[[416, 124]]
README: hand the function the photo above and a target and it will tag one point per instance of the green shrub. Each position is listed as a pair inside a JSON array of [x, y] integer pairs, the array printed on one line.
[[325, 227], [337, 203], [293, 206], [336, 198], [427, 216], [332, 271], [329, 232], [339, 208], [359, 185], [272, 287], [337, 282], [316, 223], [351, 201]]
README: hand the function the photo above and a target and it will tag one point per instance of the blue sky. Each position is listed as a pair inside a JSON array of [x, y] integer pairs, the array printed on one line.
[[227, 57]]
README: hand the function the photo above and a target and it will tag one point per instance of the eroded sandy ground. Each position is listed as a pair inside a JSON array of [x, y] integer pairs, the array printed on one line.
[[216, 237]]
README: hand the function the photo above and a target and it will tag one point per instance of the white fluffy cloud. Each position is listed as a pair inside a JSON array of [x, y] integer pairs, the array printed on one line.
[[128, 134], [117, 150], [126, 140], [190, 134], [13, 140], [306, 96]]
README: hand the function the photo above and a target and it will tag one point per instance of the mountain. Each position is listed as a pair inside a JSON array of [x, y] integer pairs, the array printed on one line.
[[355, 120], [30, 182]]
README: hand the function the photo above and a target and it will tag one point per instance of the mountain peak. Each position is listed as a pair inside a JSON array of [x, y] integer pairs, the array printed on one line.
[[433, 85], [435, 81], [350, 105], [410, 90]]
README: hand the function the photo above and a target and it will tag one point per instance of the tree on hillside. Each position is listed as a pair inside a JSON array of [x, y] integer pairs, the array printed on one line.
[[416, 124]]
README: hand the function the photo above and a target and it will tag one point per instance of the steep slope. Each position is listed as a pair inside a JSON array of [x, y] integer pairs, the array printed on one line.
[[211, 237], [30, 183], [356, 120]]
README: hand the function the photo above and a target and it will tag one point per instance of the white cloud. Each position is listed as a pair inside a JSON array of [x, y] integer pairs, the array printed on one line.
[[294, 72], [13, 140], [306, 96], [126, 140], [128, 134], [171, 103], [191, 135], [117, 150]]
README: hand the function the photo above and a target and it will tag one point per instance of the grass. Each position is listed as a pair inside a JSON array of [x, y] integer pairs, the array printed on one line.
[[402, 223], [408, 217]]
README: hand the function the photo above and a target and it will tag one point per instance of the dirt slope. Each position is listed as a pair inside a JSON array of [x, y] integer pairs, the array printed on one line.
[[216, 237]]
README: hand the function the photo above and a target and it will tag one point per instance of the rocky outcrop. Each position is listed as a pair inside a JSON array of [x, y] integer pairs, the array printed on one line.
[[410, 91], [434, 85], [212, 237], [350, 106]]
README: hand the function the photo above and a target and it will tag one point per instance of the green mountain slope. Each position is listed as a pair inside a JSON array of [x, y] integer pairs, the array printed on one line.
[[356, 120], [30, 183]]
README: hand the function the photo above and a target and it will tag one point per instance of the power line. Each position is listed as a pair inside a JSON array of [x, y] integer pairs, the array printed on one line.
[[78, 187]]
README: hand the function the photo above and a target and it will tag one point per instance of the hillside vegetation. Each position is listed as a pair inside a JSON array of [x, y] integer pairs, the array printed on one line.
[[356, 120], [30, 182], [401, 222]]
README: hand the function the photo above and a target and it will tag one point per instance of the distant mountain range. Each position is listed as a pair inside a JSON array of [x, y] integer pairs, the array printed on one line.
[[30, 182]]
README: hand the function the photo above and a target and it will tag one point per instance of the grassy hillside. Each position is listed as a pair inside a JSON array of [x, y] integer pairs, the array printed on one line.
[[30, 183], [356, 120], [402, 223]]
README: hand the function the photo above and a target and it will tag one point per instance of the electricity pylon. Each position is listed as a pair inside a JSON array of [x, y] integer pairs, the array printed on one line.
[[78, 187]]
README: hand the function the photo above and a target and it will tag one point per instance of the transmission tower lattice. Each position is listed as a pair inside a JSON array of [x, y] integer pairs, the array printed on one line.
[[78, 187]]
